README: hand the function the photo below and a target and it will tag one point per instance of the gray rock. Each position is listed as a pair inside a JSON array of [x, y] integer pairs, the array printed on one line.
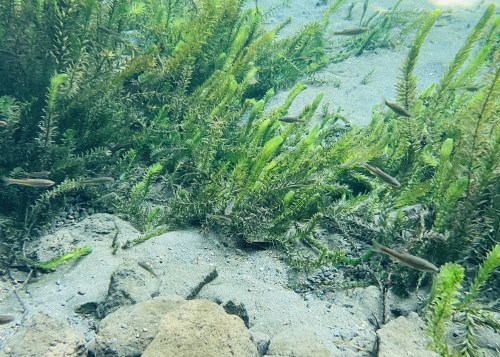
[[487, 338], [42, 335], [201, 328], [128, 331], [96, 230], [262, 341], [129, 285], [277, 310], [238, 309], [404, 336], [397, 306]]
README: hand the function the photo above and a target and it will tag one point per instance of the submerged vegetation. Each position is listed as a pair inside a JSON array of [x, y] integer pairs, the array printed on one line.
[[448, 301], [170, 98]]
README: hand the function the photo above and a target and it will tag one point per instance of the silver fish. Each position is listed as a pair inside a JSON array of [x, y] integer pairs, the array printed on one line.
[[291, 120], [397, 109], [382, 175], [97, 180], [351, 32], [406, 259], [5, 319], [148, 268], [219, 218], [28, 182], [229, 208]]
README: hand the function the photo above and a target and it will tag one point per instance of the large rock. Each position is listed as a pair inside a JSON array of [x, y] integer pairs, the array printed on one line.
[[129, 285], [80, 283], [200, 328], [98, 230], [404, 336], [132, 283], [487, 339], [343, 320], [128, 331], [44, 336], [83, 286]]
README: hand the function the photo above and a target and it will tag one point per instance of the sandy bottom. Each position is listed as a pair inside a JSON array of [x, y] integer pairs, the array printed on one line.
[[359, 83]]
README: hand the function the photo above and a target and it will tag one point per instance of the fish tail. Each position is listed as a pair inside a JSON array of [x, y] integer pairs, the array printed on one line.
[[377, 247], [6, 181]]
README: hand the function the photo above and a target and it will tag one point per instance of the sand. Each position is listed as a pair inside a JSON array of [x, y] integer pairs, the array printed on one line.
[[358, 84]]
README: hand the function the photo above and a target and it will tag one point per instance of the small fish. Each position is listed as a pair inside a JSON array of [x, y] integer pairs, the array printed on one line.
[[306, 59], [406, 259], [38, 174], [382, 175], [229, 208], [257, 244], [3, 123], [397, 109], [148, 268], [291, 120], [27, 182], [351, 32], [5, 319], [470, 88], [97, 180], [219, 218]]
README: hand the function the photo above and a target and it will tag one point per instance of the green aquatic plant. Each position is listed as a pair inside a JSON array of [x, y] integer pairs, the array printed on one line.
[[383, 28], [135, 208], [144, 237], [448, 300], [407, 84], [64, 258], [438, 161], [442, 301], [171, 98]]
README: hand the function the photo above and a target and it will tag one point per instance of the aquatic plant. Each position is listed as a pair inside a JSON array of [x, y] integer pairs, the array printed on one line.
[[444, 164], [170, 97], [443, 298], [64, 258], [445, 155], [382, 28], [105, 87], [135, 207], [448, 300]]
